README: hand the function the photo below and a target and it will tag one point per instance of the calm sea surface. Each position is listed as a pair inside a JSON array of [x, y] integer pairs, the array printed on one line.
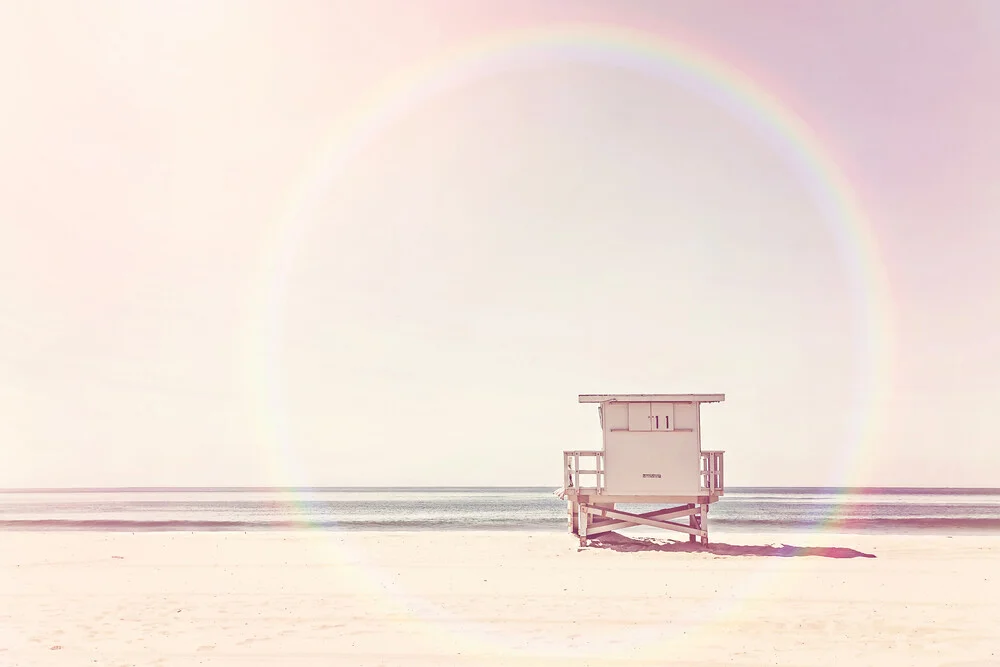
[[943, 511]]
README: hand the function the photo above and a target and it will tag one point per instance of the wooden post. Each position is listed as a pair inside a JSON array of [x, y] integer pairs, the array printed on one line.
[[703, 524], [693, 523]]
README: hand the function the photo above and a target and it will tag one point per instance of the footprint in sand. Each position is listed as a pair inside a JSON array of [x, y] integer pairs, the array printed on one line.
[[207, 647]]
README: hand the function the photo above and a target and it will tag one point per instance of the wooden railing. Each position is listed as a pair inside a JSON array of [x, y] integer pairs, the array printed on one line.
[[593, 460], [712, 471], [584, 469]]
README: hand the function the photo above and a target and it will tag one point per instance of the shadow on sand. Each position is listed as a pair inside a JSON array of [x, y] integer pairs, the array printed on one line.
[[617, 542]]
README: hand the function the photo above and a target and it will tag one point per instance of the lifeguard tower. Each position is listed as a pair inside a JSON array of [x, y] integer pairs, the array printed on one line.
[[651, 455]]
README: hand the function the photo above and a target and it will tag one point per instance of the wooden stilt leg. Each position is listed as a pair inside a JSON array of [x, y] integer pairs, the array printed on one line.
[[584, 519], [693, 523], [703, 523]]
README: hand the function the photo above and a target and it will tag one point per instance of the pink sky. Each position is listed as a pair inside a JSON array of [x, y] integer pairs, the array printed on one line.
[[563, 229]]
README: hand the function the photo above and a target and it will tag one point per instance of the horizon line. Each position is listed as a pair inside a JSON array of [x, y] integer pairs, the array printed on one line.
[[251, 489]]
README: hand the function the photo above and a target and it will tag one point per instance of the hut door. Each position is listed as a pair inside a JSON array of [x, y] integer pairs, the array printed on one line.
[[662, 417]]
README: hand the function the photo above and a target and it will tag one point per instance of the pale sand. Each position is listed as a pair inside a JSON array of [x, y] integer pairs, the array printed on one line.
[[494, 599]]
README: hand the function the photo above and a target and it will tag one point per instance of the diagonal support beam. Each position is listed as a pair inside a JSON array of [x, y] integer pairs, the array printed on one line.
[[639, 520], [661, 514]]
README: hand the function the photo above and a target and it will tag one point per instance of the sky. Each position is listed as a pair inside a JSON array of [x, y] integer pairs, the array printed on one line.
[[172, 315]]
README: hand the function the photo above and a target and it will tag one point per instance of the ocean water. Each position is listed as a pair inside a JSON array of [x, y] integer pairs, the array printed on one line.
[[942, 511]]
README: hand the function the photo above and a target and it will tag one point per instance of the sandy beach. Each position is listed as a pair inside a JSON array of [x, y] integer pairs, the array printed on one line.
[[491, 598]]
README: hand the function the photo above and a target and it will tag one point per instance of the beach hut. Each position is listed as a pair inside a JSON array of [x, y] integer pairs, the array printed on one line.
[[651, 455]]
